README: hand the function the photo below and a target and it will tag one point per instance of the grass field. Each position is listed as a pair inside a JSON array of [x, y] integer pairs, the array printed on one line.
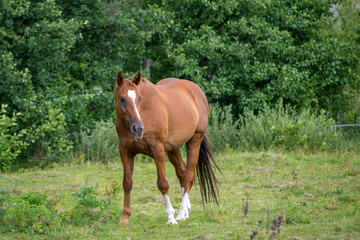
[[283, 195]]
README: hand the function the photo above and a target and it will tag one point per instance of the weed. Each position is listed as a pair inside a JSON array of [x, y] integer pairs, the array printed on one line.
[[222, 129], [297, 219], [246, 207], [271, 229], [101, 145], [275, 128], [282, 128], [32, 214], [4, 196], [88, 206], [275, 228]]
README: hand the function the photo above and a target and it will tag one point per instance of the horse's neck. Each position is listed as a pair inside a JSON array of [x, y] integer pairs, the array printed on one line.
[[150, 93], [148, 88]]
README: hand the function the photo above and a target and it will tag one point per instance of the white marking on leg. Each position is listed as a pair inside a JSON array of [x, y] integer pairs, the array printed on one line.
[[132, 95], [182, 191], [188, 207], [185, 208], [169, 210]]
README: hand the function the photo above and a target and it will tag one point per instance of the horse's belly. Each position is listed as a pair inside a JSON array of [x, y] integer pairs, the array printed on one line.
[[174, 142], [180, 132]]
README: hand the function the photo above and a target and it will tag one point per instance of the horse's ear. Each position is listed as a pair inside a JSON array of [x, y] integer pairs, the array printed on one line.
[[119, 78], [137, 79]]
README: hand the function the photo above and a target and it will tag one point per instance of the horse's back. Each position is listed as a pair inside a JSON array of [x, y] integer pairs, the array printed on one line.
[[187, 109], [180, 88], [180, 91]]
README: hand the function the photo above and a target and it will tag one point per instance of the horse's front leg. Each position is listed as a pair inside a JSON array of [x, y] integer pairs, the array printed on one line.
[[127, 160], [162, 183]]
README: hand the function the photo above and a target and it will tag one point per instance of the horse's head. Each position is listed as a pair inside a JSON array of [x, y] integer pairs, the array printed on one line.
[[128, 103]]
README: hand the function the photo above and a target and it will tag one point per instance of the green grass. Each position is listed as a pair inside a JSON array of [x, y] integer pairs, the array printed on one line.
[[318, 196]]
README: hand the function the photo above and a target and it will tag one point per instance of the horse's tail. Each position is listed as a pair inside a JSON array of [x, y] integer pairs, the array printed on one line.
[[205, 174]]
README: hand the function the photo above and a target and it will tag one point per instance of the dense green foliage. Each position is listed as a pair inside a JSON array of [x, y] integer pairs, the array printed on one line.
[[246, 53], [11, 143], [54, 71], [58, 59]]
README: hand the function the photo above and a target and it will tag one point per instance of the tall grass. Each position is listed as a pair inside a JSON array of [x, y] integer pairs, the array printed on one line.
[[223, 129], [101, 145], [275, 128], [283, 128]]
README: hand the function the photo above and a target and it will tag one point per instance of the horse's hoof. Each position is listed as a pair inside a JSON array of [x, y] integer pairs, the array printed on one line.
[[124, 222], [172, 221], [184, 210], [183, 215], [180, 218]]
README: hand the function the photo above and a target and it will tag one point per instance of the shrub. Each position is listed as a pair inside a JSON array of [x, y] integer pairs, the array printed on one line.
[[32, 213], [88, 205], [37, 199], [272, 128], [27, 217], [223, 130], [280, 127], [52, 136], [11, 143], [101, 145], [4, 195]]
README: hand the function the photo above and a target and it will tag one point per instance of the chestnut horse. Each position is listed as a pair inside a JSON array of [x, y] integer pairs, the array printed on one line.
[[154, 119]]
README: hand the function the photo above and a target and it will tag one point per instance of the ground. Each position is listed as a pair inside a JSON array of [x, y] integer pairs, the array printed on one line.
[[283, 195]]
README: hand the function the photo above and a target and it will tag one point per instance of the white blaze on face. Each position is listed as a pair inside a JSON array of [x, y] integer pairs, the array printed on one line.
[[132, 95]]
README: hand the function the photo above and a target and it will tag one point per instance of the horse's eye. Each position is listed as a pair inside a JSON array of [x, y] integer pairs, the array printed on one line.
[[122, 100]]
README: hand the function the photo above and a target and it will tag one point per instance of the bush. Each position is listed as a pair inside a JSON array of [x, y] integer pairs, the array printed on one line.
[[274, 128], [4, 195], [11, 143], [222, 130], [283, 128], [88, 205], [32, 213], [52, 138], [101, 145]]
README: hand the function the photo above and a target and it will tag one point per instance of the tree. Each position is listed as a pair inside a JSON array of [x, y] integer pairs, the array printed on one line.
[[58, 62], [246, 53]]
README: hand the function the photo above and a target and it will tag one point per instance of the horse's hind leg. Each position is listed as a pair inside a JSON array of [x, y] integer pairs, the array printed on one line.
[[163, 185], [193, 148], [180, 168]]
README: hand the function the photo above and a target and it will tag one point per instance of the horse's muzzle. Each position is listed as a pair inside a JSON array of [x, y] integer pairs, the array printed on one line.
[[137, 131]]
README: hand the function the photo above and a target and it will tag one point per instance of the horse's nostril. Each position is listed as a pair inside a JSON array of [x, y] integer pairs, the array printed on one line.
[[134, 128]]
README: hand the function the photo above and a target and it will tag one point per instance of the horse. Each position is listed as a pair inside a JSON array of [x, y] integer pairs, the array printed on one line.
[[154, 119]]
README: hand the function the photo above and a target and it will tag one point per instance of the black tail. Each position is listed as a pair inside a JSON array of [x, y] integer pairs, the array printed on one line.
[[205, 174]]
